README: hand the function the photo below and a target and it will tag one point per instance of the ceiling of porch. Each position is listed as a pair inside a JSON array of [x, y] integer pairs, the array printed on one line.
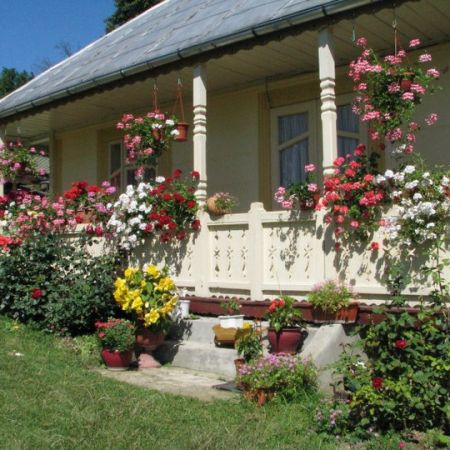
[[277, 59]]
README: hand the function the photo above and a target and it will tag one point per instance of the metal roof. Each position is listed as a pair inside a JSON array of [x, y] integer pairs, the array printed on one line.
[[168, 32]]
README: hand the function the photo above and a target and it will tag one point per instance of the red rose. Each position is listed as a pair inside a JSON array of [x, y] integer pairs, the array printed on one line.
[[401, 344], [167, 197], [196, 225], [36, 293], [374, 246], [377, 382], [191, 204], [153, 216], [172, 225], [148, 228], [99, 231], [195, 174]]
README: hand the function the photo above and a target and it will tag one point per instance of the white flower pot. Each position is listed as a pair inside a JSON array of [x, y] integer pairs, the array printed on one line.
[[231, 321], [183, 307]]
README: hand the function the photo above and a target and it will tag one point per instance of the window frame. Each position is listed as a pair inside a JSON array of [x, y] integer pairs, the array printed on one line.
[[310, 108]]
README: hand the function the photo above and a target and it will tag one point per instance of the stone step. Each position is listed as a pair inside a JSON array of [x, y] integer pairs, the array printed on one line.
[[198, 356], [198, 330]]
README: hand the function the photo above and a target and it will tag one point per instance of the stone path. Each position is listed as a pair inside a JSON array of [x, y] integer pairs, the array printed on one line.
[[175, 380]]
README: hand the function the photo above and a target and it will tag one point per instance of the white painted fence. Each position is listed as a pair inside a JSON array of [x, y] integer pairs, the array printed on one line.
[[261, 254]]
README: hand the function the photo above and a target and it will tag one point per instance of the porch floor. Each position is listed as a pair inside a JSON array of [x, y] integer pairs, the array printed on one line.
[[175, 380]]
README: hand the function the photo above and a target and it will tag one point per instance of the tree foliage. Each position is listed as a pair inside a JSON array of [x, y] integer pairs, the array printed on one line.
[[11, 79], [126, 10]]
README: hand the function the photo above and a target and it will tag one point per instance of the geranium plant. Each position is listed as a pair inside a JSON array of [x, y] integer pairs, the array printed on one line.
[[221, 203], [330, 296], [282, 314], [352, 196], [166, 208], [303, 194], [150, 295], [389, 89], [231, 307], [117, 335], [17, 161], [147, 137]]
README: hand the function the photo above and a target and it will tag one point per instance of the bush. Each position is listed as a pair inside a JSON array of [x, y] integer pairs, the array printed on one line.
[[54, 283]]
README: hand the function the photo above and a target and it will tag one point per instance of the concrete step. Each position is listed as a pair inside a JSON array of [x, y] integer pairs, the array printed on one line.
[[198, 356], [198, 330]]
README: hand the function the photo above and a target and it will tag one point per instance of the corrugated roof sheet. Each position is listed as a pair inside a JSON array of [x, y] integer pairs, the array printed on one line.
[[156, 37]]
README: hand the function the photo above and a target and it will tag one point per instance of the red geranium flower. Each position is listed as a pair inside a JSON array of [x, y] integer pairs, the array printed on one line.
[[377, 382], [401, 344], [36, 293], [191, 204]]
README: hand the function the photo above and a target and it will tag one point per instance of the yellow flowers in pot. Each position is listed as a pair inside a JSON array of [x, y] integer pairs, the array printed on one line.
[[149, 294]]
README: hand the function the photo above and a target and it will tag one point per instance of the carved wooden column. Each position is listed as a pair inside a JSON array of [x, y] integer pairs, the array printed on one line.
[[199, 137], [202, 269], [327, 74]]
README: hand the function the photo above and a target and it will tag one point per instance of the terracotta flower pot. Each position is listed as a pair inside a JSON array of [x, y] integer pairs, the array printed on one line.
[[182, 128], [149, 340], [117, 360], [344, 316], [311, 204], [212, 208], [287, 340]]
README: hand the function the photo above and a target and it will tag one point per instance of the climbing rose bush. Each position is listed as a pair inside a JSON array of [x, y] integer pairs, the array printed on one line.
[[388, 91]]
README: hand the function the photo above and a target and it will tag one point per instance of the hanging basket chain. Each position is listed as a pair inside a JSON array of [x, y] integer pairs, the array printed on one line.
[[179, 100], [155, 98]]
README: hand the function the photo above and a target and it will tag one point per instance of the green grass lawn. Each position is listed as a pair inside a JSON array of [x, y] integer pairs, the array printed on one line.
[[49, 399]]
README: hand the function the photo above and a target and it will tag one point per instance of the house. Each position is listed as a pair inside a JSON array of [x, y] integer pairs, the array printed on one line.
[[265, 83]]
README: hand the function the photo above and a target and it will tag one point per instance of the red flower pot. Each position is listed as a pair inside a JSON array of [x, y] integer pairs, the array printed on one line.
[[149, 340], [182, 128], [117, 360], [287, 340]]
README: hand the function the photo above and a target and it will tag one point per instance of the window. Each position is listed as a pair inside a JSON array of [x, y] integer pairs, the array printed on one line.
[[293, 139], [121, 175], [348, 129]]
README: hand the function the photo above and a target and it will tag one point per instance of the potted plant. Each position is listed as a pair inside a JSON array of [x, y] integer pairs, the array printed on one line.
[[221, 203], [232, 319], [117, 338], [150, 296], [281, 375], [304, 194], [248, 345], [285, 329], [330, 302]]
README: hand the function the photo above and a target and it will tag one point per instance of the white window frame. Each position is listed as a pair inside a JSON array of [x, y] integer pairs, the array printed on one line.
[[124, 168], [299, 108], [362, 134]]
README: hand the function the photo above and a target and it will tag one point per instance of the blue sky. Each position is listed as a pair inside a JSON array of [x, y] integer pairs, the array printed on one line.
[[30, 29]]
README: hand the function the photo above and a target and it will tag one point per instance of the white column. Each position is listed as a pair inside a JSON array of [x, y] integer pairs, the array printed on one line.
[[327, 74], [202, 270], [256, 253], [199, 138]]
